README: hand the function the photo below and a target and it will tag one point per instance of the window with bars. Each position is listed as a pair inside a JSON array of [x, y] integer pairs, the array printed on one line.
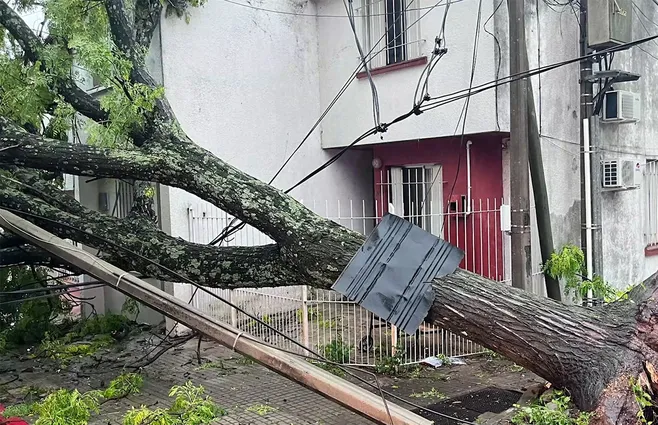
[[416, 194], [390, 30]]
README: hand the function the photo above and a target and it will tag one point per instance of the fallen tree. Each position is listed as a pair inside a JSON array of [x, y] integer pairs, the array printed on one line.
[[594, 353]]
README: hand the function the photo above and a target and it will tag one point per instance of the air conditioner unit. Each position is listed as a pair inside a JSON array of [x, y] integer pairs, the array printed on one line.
[[620, 107], [617, 174]]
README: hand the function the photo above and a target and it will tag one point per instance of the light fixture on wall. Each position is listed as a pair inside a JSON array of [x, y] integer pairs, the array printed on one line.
[[376, 163]]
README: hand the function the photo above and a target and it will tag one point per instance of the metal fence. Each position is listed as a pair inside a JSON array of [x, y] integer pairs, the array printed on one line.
[[318, 318]]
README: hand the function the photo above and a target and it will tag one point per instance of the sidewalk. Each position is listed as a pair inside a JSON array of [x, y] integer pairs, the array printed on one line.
[[251, 394]]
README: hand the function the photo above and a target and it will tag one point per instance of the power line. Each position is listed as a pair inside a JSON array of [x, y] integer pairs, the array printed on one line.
[[39, 297], [50, 288], [314, 15], [467, 102], [232, 228], [461, 94], [375, 98], [498, 48], [440, 49], [637, 9]]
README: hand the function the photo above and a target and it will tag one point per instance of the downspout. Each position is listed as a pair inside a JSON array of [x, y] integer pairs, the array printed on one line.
[[467, 210]]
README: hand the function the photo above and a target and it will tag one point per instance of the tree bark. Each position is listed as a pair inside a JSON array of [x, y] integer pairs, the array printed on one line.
[[592, 352]]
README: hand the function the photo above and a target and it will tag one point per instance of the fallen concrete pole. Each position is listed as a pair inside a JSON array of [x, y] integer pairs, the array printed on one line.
[[347, 394]]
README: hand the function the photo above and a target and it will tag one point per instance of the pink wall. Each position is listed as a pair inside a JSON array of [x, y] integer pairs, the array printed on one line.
[[478, 233]]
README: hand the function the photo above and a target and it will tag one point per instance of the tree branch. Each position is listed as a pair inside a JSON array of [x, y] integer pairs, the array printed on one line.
[[226, 267], [10, 241], [318, 246], [147, 18], [28, 255], [31, 45], [121, 28]]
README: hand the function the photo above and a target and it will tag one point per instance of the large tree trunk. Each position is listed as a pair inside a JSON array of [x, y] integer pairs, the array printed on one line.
[[592, 352]]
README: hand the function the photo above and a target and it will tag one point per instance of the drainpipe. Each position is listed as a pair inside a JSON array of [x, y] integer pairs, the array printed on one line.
[[587, 152], [467, 210]]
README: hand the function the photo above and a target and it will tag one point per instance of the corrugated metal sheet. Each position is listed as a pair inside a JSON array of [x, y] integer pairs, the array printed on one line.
[[392, 272]]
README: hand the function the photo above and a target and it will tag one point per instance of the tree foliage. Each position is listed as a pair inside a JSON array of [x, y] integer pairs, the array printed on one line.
[[26, 322]]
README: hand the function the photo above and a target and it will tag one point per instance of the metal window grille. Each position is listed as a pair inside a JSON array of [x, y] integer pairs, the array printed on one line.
[[390, 30], [124, 197]]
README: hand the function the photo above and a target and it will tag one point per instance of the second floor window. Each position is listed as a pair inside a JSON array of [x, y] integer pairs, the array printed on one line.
[[395, 34], [390, 30]]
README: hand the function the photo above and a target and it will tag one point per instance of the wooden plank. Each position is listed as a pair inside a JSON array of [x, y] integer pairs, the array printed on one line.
[[345, 393]]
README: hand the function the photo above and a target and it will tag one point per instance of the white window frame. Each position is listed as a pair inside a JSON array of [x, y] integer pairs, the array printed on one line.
[[432, 186], [650, 189], [373, 15]]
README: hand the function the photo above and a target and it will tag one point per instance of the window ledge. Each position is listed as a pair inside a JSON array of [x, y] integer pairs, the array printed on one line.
[[393, 67], [651, 250]]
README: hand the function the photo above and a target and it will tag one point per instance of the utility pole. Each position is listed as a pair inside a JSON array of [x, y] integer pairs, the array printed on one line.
[[519, 176]]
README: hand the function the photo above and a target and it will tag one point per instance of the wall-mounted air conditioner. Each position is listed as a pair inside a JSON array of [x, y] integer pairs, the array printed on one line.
[[617, 174], [621, 107]]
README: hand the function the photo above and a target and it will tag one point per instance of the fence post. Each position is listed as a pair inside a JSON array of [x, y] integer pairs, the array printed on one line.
[[394, 340], [234, 312], [305, 335]]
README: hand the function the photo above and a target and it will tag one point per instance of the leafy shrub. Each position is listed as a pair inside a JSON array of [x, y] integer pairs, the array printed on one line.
[[391, 365], [569, 264], [190, 407], [337, 351], [26, 322], [63, 407], [551, 411]]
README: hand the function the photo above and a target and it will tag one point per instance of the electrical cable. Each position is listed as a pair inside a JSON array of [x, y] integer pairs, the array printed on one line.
[[637, 9], [39, 297], [48, 279], [51, 288], [349, 9], [232, 228], [238, 308], [500, 55], [440, 49], [476, 43], [313, 15], [460, 94]]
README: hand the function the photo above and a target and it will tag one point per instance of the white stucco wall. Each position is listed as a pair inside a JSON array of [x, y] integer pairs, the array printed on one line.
[[245, 85], [352, 115], [623, 212], [556, 39]]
